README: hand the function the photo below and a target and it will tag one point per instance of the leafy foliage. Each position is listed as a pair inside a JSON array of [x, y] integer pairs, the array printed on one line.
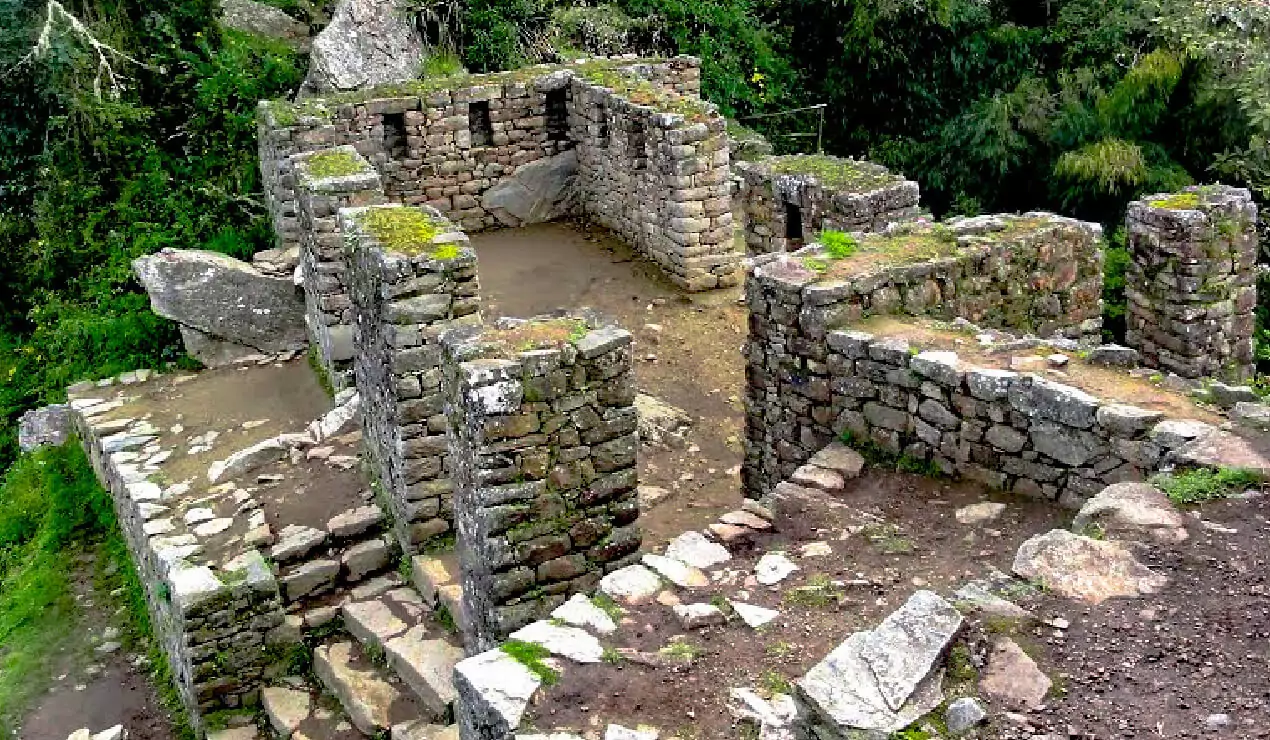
[[1202, 484]]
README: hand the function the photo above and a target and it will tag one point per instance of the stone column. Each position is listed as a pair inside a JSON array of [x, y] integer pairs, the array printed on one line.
[[1191, 281], [405, 294], [542, 444], [326, 181]]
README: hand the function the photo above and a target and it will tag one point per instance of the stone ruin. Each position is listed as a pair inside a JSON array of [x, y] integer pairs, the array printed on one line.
[[517, 441]]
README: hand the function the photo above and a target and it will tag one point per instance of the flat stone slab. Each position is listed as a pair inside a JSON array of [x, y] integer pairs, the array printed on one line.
[[841, 690], [580, 611], [981, 513], [1084, 569], [695, 616], [285, 708], [1132, 510], [1012, 677], [426, 664], [753, 615], [494, 690], [693, 548], [367, 699], [372, 622], [575, 644], [677, 572], [633, 584], [841, 458], [773, 568], [904, 648], [1223, 449]]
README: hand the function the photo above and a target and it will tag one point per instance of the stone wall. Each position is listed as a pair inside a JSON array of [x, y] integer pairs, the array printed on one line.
[[404, 298], [499, 150], [1035, 273], [543, 449], [212, 627], [660, 180], [824, 193], [326, 181], [420, 135], [1191, 281]]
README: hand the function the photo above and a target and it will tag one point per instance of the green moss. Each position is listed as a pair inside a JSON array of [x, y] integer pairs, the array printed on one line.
[[1203, 484], [679, 648], [642, 92], [531, 656], [774, 682], [612, 657], [1178, 201], [336, 163], [961, 669], [443, 617], [323, 378], [407, 231], [606, 604], [838, 245], [836, 173]]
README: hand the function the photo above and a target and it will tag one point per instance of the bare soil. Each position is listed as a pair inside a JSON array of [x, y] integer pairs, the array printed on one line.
[[896, 533], [687, 350]]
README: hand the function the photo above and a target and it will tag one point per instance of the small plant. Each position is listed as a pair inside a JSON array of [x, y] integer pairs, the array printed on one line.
[[606, 604], [779, 650], [680, 648], [815, 265], [774, 682], [961, 668], [838, 245], [444, 618], [1203, 484], [820, 592], [612, 656], [531, 656]]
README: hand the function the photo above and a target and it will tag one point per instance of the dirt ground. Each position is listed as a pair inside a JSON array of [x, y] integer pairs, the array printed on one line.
[[96, 689], [687, 350]]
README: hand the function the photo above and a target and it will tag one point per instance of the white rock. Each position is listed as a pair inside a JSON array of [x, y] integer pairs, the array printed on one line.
[[773, 568], [633, 584], [693, 548], [694, 616], [617, 732], [495, 689], [677, 572], [752, 614], [575, 644], [580, 611], [213, 527]]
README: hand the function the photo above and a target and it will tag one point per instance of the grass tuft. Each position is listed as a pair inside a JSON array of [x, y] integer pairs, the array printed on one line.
[[531, 656], [1204, 484]]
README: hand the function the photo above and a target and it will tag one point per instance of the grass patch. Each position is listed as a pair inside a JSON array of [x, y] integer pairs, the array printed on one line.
[[779, 650], [838, 244], [961, 669], [835, 173], [820, 592], [680, 648], [876, 455], [1178, 201], [335, 163], [1204, 484], [443, 617], [407, 231], [774, 682], [606, 604], [531, 656], [612, 656]]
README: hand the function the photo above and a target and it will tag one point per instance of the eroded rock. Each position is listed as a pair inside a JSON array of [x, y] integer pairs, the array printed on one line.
[[1132, 510], [1085, 569]]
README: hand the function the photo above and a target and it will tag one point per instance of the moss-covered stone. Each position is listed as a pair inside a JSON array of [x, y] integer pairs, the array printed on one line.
[[407, 231], [835, 173], [323, 165]]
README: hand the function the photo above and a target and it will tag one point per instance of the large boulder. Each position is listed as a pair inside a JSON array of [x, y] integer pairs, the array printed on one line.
[[49, 425], [224, 298], [538, 191], [367, 43], [1085, 569], [1131, 510], [264, 20]]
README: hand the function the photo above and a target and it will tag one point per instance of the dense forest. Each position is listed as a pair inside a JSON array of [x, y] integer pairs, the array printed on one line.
[[127, 126]]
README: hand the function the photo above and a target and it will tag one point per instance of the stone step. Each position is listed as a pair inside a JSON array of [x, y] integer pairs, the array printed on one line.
[[373, 698], [325, 568], [295, 710], [421, 652], [436, 576]]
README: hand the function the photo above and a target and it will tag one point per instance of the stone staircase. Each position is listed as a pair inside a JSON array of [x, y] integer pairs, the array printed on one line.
[[386, 668]]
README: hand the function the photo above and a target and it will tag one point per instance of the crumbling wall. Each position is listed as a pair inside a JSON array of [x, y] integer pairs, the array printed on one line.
[[543, 449], [1033, 273], [326, 181], [1191, 281], [430, 144], [404, 297], [660, 180], [824, 193]]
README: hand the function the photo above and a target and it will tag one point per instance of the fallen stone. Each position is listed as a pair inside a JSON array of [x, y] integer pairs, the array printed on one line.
[[747, 520], [213, 527], [575, 644], [246, 460], [906, 646], [695, 616], [773, 568], [264, 20], [48, 425], [580, 611], [341, 419], [494, 690], [975, 598], [542, 190], [730, 533], [285, 708], [963, 714], [296, 541], [1174, 433], [981, 513], [1114, 355], [365, 558], [775, 717], [753, 615], [650, 496], [1132, 510], [367, 43], [114, 733], [1012, 677], [679, 573], [308, 578], [355, 522], [693, 548], [841, 458], [225, 298], [633, 584], [1223, 449], [1228, 396], [813, 476], [422, 729], [1082, 568]]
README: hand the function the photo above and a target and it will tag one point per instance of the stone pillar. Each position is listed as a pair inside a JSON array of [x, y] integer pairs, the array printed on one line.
[[542, 443], [1191, 281], [326, 181], [413, 277]]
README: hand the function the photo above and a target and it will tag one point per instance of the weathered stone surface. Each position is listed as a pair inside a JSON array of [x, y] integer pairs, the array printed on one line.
[[693, 548], [246, 460], [296, 541], [567, 642], [1223, 449], [367, 43], [1084, 569], [695, 616], [1252, 415], [580, 611], [354, 522], [47, 425], [903, 649], [372, 622], [310, 577], [974, 597], [633, 584], [837, 456], [963, 714], [773, 568], [365, 697], [1013, 678], [981, 513], [264, 20], [285, 708], [214, 352], [1114, 355], [618, 732], [542, 190], [1132, 510], [224, 298], [494, 690], [753, 615], [812, 476], [426, 663], [679, 573]]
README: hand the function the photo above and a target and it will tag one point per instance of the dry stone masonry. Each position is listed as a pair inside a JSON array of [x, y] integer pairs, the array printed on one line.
[[518, 147], [1191, 281], [788, 200], [543, 445], [1036, 272], [413, 276], [326, 181]]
